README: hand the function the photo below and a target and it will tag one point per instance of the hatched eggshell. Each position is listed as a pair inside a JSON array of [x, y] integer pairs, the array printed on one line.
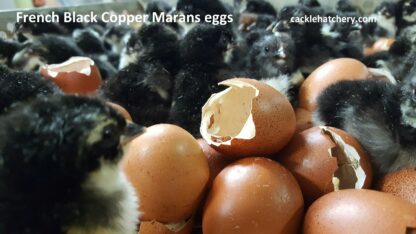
[[400, 183], [248, 118], [308, 156], [121, 110], [169, 172], [253, 195], [154, 227], [216, 161], [78, 75], [327, 74], [360, 211]]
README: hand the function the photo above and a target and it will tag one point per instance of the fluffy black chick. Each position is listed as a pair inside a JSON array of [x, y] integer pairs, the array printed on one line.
[[260, 7], [45, 49], [7, 50], [201, 7], [272, 59], [380, 115], [144, 87], [152, 42], [203, 52], [385, 25], [407, 19], [59, 169], [16, 87], [116, 36]]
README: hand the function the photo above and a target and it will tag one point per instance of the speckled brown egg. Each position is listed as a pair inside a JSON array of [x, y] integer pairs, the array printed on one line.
[[253, 195], [360, 211], [216, 161], [169, 172], [324, 159], [78, 75], [327, 74], [400, 183], [248, 118]]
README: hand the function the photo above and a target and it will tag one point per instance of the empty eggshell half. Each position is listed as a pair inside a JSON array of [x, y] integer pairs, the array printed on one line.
[[78, 75], [247, 118]]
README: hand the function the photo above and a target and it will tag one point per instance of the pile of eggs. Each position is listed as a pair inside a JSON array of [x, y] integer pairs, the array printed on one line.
[[261, 166]]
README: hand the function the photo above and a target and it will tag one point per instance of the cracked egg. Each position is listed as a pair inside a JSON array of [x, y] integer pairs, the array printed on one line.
[[78, 75], [248, 118], [325, 159]]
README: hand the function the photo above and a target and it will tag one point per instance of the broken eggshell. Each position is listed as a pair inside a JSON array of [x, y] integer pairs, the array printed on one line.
[[248, 118], [382, 44], [253, 195], [327, 74], [325, 159], [400, 183], [360, 211], [121, 110], [78, 75]]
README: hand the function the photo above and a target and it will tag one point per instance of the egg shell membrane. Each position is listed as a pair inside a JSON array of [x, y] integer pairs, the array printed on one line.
[[349, 173], [75, 64]]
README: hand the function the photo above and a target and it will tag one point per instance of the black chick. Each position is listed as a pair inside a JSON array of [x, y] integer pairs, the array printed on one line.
[[59, 169], [203, 52], [22, 86], [380, 115], [272, 59], [260, 7], [46, 49], [407, 19], [144, 87], [385, 25], [8, 48], [115, 37]]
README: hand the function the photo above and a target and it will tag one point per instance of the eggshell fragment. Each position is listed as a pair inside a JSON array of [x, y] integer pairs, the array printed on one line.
[[325, 159], [248, 118], [78, 75], [253, 195], [154, 227], [382, 44], [169, 171], [400, 183], [327, 74], [216, 161], [360, 211]]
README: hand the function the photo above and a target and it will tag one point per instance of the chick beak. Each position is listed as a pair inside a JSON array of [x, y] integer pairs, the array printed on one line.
[[131, 131], [173, 11]]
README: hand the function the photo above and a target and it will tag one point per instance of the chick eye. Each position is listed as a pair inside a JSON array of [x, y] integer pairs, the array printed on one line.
[[267, 49]]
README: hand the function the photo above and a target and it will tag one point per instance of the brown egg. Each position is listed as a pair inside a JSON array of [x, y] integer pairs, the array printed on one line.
[[216, 161], [303, 120], [169, 172], [253, 195], [327, 74], [78, 75], [121, 110], [400, 183], [154, 227], [324, 159], [360, 211], [248, 118]]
